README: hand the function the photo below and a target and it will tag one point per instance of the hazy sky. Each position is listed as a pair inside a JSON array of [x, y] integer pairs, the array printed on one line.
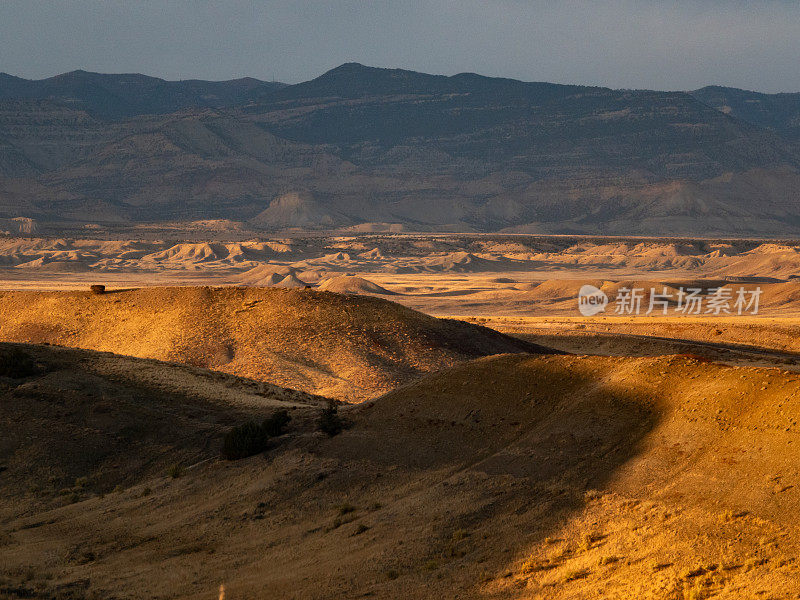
[[617, 43]]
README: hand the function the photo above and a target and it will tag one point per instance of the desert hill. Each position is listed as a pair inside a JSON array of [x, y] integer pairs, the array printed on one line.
[[347, 346], [506, 477], [359, 146], [321, 255], [296, 210], [490, 276], [344, 284]]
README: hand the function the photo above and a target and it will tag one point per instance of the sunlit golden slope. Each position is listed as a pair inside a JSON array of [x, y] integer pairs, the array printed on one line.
[[346, 346]]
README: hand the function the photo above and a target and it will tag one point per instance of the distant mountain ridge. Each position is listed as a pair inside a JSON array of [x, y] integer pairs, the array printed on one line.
[[517, 124], [127, 95], [778, 112], [361, 145], [354, 80]]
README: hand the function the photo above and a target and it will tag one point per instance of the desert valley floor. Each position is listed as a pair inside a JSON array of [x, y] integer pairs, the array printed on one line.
[[495, 442]]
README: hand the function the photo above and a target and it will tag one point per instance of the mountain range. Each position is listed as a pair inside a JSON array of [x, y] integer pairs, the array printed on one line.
[[362, 147]]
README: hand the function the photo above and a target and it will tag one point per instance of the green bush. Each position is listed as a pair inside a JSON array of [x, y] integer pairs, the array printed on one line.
[[329, 420], [16, 363], [276, 424], [243, 441]]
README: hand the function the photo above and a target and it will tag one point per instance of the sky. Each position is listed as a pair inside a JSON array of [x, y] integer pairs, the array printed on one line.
[[664, 45]]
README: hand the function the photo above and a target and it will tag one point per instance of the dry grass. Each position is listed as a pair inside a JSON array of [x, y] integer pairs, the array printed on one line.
[[335, 345], [504, 477]]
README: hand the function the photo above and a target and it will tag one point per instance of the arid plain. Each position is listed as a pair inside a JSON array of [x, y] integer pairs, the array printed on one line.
[[495, 442]]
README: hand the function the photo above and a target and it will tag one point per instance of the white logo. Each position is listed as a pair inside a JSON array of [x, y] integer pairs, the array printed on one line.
[[687, 301], [591, 300]]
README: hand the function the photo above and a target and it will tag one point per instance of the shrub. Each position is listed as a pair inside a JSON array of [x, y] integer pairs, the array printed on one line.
[[586, 542], [276, 424], [329, 420], [16, 364], [249, 439], [346, 509], [243, 441], [97, 289], [575, 574], [175, 471]]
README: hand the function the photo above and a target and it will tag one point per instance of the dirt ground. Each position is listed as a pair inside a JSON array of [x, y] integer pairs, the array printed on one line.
[[507, 477], [495, 444]]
